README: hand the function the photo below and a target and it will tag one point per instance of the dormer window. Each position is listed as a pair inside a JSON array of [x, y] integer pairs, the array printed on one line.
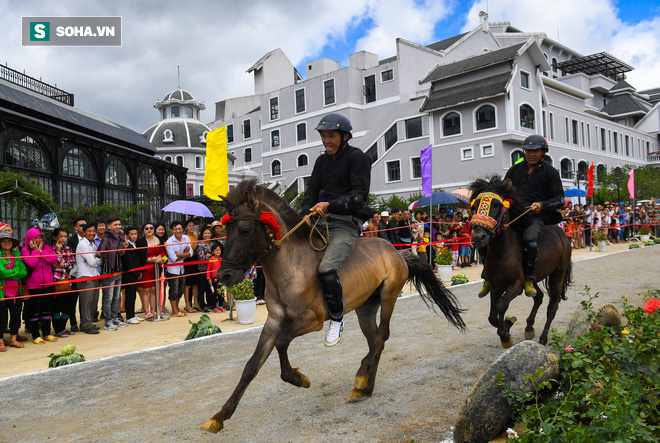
[[176, 112], [189, 112], [202, 138], [168, 137]]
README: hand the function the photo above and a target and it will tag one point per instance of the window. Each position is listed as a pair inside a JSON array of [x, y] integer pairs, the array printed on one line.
[[416, 166], [179, 160], [466, 154], [189, 112], [168, 137], [515, 156], [247, 155], [175, 111], [451, 124], [394, 171], [582, 133], [372, 153], [616, 142], [164, 113], [600, 171], [552, 126], [566, 168], [77, 163], [116, 173], [303, 160], [554, 64], [545, 126], [276, 168], [588, 136], [414, 127], [301, 132], [386, 76], [230, 133], [300, 101], [329, 92], [168, 158], [247, 133], [603, 137], [274, 108], [527, 117], [370, 89], [487, 151], [567, 129], [198, 162], [524, 80], [627, 145], [391, 137], [574, 127], [27, 153], [171, 185], [485, 117], [275, 138]]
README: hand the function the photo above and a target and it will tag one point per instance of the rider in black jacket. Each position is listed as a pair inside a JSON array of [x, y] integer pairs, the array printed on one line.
[[539, 187], [339, 187]]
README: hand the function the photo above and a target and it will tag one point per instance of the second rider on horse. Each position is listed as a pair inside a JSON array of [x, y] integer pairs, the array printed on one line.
[[338, 187]]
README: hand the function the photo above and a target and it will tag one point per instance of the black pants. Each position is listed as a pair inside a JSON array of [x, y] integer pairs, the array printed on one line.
[[61, 309], [38, 311], [71, 305], [129, 302], [205, 297], [10, 312]]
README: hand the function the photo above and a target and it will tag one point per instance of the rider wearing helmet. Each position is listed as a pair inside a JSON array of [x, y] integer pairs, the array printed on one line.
[[339, 187], [539, 187]]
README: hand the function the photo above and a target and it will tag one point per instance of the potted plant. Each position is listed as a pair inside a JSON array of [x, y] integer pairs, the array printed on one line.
[[600, 237], [245, 300], [444, 259], [644, 233]]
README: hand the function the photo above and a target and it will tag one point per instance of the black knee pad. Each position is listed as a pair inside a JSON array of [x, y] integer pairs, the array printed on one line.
[[330, 284]]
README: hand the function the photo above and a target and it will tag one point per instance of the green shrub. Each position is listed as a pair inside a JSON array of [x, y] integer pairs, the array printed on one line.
[[67, 356], [609, 387], [445, 257], [243, 291], [202, 328]]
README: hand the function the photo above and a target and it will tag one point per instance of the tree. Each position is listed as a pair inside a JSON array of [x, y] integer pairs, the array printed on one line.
[[129, 215], [24, 195]]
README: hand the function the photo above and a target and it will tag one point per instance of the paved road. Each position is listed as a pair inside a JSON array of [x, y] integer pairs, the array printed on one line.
[[165, 394]]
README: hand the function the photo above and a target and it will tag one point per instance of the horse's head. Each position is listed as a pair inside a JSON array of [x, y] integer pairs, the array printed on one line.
[[250, 233], [493, 198]]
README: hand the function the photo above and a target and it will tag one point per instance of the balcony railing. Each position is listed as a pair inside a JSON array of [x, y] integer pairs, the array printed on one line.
[[35, 85], [653, 158]]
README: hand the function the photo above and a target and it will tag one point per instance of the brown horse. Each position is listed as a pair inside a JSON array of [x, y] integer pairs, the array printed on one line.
[[503, 265], [372, 277]]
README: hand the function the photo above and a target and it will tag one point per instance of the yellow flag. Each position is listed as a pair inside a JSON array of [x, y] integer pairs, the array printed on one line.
[[216, 175]]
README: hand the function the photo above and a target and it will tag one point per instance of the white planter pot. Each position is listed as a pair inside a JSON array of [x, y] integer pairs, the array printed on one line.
[[602, 245], [645, 237], [444, 271], [245, 310]]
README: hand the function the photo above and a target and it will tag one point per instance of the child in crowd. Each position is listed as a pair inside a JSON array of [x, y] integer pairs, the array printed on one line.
[[12, 269], [131, 260], [438, 246], [65, 301], [568, 228], [421, 249], [454, 246], [211, 275]]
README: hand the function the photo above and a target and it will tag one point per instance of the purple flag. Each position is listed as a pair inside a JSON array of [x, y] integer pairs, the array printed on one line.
[[426, 157]]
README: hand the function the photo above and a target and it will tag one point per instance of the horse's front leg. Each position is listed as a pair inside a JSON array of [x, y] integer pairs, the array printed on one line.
[[529, 330], [264, 347], [504, 323], [305, 323]]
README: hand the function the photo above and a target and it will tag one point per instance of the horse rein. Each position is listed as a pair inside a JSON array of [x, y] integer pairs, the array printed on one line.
[[321, 214]]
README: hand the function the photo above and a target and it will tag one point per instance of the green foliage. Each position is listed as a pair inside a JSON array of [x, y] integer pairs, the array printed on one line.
[[600, 236], [67, 356], [614, 184], [25, 194], [633, 246], [129, 215], [243, 291], [644, 230], [609, 385], [649, 243], [445, 257], [459, 279], [202, 328], [656, 241]]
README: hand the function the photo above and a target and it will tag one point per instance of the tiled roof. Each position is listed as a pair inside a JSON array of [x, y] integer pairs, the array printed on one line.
[[466, 93], [446, 43], [473, 63], [624, 104]]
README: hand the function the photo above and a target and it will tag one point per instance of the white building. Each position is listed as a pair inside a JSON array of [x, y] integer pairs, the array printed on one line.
[[474, 97]]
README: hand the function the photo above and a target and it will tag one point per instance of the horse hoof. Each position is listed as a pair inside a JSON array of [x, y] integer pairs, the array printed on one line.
[[213, 425], [530, 334], [507, 344], [305, 382], [355, 396], [360, 381]]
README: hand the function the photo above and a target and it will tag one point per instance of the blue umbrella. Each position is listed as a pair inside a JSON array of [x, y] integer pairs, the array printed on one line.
[[188, 207], [574, 192], [437, 198]]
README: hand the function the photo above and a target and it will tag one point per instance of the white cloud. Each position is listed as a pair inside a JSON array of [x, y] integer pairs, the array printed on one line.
[[588, 26]]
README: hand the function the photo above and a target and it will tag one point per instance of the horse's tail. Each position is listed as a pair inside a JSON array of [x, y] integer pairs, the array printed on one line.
[[432, 290], [568, 280]]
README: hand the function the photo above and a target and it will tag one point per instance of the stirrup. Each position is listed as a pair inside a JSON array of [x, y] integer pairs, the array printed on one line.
[[530, 290], [485, 289]]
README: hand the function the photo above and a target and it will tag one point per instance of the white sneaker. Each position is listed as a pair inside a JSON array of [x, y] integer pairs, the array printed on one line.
[[333, 336], [119, 323], [133, 321], [138, 318]]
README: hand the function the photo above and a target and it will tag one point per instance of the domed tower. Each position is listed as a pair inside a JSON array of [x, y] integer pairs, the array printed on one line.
[[180, 136]]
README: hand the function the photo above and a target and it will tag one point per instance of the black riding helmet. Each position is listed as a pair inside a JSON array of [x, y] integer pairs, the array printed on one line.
[[335, 122], [535, 142]]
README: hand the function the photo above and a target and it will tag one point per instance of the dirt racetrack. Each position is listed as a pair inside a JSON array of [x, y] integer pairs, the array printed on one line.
[[426, 370]]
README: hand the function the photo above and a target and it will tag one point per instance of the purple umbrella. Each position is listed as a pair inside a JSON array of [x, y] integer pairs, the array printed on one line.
[[189, 208]]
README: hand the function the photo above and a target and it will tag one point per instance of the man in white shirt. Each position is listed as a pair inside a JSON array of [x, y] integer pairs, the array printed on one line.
[[87, 260], [178, 248], [72, 242]]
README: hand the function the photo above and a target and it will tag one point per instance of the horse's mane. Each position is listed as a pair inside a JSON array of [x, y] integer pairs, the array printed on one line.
[[237, 196], [496, 185]]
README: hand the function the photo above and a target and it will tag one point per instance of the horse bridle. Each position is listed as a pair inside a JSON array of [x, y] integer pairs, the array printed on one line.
[[482, 217], [242, 260]]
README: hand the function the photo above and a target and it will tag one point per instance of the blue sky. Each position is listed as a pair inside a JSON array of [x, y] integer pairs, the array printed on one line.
[[215, 42]]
